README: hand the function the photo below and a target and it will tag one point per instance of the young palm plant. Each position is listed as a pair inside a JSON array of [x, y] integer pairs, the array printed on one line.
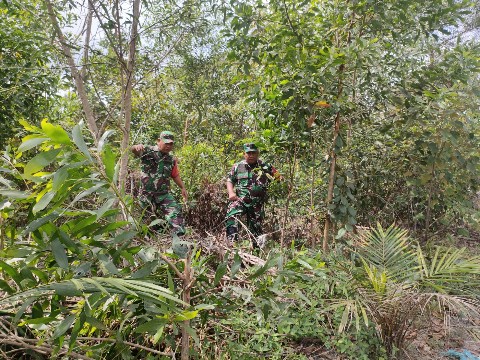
[[397, 284]]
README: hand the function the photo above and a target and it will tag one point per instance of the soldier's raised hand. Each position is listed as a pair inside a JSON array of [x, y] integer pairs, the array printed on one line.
[[184, 195], [138, 149]]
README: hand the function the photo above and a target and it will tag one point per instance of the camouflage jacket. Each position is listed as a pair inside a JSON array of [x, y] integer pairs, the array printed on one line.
[[251, 181], [156, 171]]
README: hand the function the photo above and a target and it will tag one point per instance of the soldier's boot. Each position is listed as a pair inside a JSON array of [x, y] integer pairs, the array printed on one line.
[[232, 234]]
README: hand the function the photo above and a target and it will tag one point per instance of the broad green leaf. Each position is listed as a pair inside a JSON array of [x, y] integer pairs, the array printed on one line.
[[87, 192], [14, 194], [5, 287], [41, 320], [80, 142], [39, 161], [105, 207], [97, 323], [109, 160], [145, 270], [237, 263], [158, 335], [64, 326], [107, 265], [103, 139], [31, 143], [65, 288], [44, 201], [34, 225], [151, 326], [221, 270], [59, 178], [58, 250], [11, 271], [26, 304], [27, 126], [262, 270], [55, 132], [76, 329], [186, 315], [124, 236]]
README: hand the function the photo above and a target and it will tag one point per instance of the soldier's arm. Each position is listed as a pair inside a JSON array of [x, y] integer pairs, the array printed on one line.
[[231, 191], [138, 149], [178, 180], [231, 179]]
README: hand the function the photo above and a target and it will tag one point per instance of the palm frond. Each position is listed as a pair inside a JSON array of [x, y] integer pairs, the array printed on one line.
[[390, 251], [449, 269], [141, 289]]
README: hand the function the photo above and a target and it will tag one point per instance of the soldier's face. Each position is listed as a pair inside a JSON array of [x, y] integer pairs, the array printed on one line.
[[251, 157], [164, 147]]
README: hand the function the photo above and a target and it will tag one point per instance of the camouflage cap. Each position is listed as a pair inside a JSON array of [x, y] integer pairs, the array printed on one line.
[[167, 137], [250, 147]]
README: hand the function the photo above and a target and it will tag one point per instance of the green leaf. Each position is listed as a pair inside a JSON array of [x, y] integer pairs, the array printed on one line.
[[30, 143], [59, 177], [103, 139], [107, 265], [44, 201], [237, 263], [34, 225], [340, 233], [80, 142], [64, 326], [186, 315], [14, 194], [158, 335], [55, 132], [87, 192], [39, 161], [40, 320], [5, 287], [221, 270], [109, 161], [262, 270], [59, 254], [11, 272], [152, 326]]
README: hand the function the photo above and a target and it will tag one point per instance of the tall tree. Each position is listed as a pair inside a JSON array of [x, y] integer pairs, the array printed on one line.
[[27, 83], [337, 65]]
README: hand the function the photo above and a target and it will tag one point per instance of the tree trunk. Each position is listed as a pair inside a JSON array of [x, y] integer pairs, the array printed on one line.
[[86, 45], [127, 99], [291, 174], [82, 93], [331, 182], [312, 188]]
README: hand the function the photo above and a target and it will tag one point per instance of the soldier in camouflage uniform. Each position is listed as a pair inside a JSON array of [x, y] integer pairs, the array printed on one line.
[[247, 191], [158, 166]]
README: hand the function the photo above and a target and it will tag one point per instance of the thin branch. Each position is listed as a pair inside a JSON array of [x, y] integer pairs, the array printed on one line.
[[172, 265], [90, 117]]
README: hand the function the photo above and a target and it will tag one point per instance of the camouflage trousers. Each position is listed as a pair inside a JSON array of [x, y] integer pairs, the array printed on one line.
[[168, 207], [254, 213]]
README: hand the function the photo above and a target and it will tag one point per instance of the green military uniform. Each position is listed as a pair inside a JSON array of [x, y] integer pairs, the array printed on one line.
[[157, 170], [251, 182]]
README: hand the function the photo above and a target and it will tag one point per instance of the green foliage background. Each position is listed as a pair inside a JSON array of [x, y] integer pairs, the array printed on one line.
[[83, 273]]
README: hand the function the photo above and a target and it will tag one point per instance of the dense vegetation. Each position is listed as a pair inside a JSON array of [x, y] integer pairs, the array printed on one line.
[[370, 110]]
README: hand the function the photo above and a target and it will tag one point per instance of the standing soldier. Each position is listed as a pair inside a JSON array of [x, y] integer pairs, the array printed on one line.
[[247, 191], [158, 166]]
